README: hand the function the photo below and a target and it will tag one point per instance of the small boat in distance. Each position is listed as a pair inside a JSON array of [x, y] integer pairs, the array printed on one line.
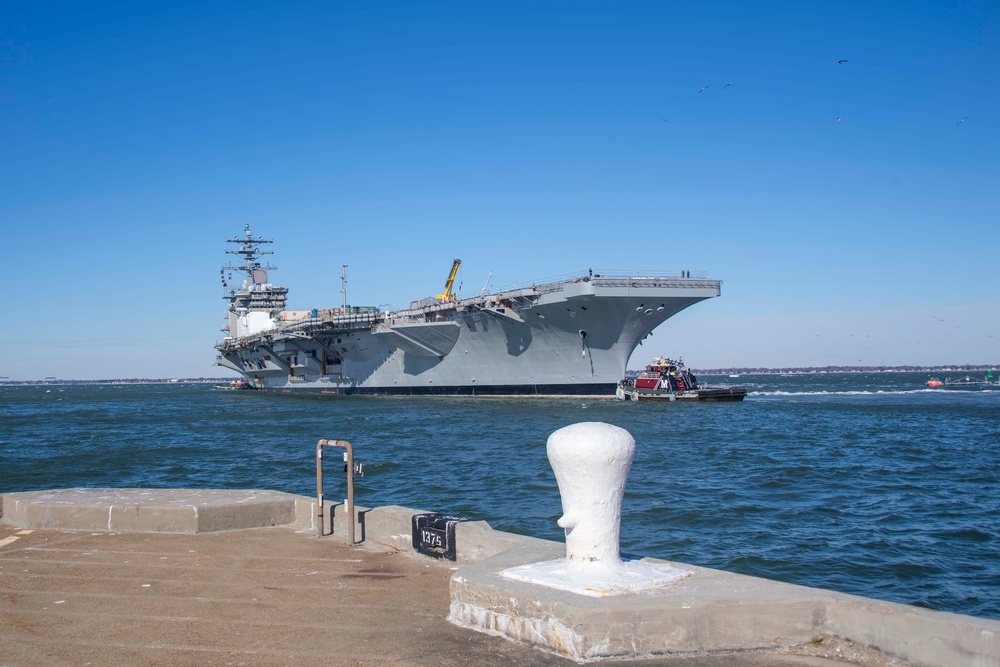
[[969, 382], [236, 385], [666, 379]]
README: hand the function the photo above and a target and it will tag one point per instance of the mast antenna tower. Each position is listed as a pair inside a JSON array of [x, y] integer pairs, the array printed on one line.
[[250, 250], [343, 283]]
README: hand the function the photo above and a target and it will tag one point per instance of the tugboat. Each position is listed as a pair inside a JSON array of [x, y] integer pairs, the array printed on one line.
[[670, 380]]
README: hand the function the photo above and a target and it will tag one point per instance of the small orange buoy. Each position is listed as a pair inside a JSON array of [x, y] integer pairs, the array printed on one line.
[[934, 382]]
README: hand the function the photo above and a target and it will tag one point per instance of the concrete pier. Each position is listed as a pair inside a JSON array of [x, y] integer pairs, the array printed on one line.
[[258, 588], [150, 510]]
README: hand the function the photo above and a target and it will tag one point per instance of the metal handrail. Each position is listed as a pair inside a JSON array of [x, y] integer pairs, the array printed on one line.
[[349, 502]]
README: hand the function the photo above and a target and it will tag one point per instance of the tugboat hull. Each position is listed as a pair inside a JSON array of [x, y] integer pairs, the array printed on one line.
[[722, 394], [712, 395]]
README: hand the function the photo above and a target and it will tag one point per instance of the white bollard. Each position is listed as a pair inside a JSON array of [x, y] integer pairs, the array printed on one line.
[[591, 462]]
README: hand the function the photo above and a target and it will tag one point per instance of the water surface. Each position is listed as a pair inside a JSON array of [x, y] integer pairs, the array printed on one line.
[[863, 483]]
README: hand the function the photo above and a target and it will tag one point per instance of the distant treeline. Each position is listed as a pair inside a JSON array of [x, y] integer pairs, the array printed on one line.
[[954, 368]]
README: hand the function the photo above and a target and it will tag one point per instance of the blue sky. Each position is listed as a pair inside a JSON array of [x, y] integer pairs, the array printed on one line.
[[528, 139]]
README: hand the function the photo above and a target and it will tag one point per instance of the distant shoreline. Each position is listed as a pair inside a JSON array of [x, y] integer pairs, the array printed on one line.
[[814, 370], [792, 370]]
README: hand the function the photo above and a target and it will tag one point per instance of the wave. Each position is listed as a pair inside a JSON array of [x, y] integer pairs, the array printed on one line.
[[850, 392]]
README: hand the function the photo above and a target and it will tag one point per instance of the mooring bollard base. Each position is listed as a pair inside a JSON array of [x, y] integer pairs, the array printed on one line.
[[703, 611], [628, 577]]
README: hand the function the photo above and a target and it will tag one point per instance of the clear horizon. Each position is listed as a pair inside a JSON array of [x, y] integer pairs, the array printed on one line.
[[848, 207]]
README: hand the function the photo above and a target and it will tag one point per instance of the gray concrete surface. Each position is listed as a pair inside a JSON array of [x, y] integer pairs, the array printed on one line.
[[149, 510], [258, 597], [709, 611], [280, 595]]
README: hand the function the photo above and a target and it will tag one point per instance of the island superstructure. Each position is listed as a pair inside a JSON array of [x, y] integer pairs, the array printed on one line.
[[571, 336]]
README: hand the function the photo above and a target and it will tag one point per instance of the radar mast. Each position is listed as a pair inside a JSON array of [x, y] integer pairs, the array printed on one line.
[[256, 294]]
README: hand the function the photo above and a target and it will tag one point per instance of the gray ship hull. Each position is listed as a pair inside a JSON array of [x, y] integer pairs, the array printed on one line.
[[567, 338]]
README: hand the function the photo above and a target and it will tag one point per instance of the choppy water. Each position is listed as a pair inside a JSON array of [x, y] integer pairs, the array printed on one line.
[[867, 484]]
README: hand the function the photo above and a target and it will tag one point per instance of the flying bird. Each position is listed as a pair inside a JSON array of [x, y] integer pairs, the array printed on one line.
[[839, 119], [842, 61], [704, 88], [728, 85], [962, 120]]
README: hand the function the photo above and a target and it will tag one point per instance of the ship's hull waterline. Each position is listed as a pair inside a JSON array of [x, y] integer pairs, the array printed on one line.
[[570, 337]]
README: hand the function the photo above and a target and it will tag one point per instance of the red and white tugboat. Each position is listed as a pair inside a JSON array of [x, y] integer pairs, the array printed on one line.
[[670, 380]]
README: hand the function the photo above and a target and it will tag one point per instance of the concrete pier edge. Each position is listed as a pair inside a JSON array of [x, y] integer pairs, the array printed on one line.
[[710, 611]]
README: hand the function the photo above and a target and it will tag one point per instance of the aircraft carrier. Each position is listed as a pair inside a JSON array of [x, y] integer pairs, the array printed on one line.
[[570, 336]]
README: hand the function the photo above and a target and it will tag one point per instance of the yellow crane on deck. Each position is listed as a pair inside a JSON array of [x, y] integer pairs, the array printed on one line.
[[448, 296]]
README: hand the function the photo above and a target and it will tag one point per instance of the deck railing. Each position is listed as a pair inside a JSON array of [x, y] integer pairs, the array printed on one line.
[[380, 320]]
